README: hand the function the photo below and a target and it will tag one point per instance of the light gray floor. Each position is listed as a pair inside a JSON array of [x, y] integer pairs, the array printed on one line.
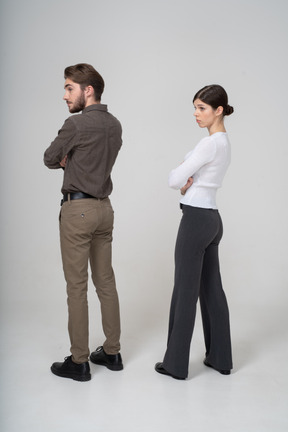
[[252, 399]]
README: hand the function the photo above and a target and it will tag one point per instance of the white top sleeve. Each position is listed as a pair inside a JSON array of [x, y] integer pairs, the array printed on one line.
[[202, 154]]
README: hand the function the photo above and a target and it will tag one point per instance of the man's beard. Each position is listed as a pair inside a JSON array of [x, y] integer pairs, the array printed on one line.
[[79, 104]]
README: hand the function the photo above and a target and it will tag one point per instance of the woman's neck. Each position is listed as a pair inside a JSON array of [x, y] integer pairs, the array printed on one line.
[[216, 127]]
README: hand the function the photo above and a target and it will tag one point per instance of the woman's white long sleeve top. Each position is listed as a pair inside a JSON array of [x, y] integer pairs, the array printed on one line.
[[207, 163]]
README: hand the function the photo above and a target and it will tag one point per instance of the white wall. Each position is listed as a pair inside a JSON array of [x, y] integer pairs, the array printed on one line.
[[154, 55]]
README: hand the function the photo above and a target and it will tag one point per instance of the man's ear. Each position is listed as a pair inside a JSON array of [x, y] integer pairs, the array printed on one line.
[[89, 90]]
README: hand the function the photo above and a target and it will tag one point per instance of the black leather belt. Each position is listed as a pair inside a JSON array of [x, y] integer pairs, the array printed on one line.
[[78, 195]]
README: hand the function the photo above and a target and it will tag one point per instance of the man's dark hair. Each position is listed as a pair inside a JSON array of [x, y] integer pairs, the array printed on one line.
[[85, 75]]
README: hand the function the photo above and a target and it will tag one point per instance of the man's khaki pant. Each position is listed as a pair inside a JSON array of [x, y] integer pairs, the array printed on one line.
[[86, 227]]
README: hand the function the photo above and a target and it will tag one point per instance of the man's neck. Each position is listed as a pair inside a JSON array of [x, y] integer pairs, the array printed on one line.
[[92, 102]]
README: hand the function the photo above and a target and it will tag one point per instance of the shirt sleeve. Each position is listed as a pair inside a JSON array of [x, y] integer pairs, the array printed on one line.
[[61, 146], [202, 154]]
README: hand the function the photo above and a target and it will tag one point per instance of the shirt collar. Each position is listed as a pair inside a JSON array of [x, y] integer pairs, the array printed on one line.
[[95, 107]]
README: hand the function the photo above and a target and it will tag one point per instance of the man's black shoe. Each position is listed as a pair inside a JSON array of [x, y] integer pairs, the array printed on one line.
[[160, 369], [111, 361], [69, 369], [222, 371]]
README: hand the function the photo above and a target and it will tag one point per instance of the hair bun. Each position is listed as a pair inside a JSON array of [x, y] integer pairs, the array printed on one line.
[[229, 110]]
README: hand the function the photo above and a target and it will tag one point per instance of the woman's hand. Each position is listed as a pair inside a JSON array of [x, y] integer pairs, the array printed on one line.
[[187, 185]]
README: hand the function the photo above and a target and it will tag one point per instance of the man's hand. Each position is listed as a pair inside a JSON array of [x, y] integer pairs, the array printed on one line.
[[63, 162], [187, 185]]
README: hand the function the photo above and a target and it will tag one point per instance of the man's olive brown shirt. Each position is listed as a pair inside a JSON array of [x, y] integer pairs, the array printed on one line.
[[92, 141]]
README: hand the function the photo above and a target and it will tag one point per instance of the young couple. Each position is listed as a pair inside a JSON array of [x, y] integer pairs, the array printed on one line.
[[86, 148]]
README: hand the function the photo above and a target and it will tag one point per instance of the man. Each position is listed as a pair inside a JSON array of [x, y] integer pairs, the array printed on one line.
[[86, 148]]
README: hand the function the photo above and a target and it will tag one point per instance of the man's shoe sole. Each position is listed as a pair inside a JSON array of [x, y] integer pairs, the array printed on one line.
[[75, 377], [109, 366]]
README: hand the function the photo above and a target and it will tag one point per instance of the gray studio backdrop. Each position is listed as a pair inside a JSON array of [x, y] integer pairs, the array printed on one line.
[[154, 55]]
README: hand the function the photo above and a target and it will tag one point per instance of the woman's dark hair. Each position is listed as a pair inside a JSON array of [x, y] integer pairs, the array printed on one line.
[[85, 75], [216, 96]]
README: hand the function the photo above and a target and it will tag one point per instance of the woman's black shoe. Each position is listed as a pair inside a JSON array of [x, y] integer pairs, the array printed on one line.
[[160, 369], [222, 371]]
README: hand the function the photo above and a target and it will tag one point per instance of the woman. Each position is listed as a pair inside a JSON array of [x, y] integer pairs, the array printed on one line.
[[197, 271]]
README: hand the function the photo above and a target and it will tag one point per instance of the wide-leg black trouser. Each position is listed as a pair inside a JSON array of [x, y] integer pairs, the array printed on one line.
[[197, 275]]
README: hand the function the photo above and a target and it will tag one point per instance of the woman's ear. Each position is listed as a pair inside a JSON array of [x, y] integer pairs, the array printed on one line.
[[219, 111]]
